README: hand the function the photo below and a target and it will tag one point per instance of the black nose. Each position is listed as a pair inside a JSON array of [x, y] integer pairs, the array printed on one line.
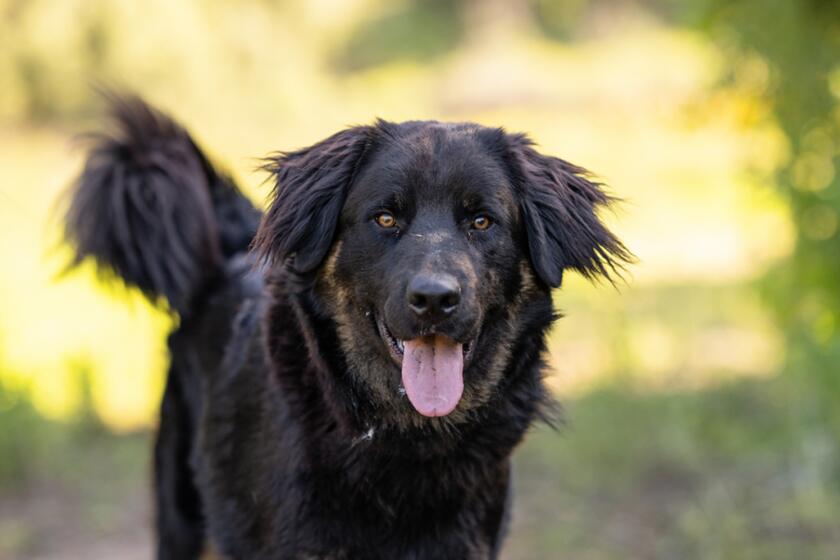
[[433, 296]]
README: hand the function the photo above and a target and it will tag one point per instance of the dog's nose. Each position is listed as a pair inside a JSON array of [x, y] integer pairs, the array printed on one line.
[[433, 297]]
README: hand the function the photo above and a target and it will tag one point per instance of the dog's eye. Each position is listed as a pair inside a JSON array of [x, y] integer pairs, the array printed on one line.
[[481, 222], [385, 220]]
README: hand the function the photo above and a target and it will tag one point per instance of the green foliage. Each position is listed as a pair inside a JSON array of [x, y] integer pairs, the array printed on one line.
[[62, 480], [732, 473], [560, 20], [800, 42], [31, 445], [727, 473], [25, 438], [416, 31]]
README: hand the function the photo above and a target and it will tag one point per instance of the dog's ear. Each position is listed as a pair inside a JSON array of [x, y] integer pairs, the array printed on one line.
[[310, 187], [560, 206]]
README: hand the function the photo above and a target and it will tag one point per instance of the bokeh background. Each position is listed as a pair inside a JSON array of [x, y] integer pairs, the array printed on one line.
[[702, 398]]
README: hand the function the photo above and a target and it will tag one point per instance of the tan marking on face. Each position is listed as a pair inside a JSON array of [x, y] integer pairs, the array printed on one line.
[[210, 552], [466, 265], [327, 272], [438, 261], [363, 361], [528, 284], [477, 396]]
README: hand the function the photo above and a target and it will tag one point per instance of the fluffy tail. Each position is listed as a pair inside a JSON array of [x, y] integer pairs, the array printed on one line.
[[151, 209]]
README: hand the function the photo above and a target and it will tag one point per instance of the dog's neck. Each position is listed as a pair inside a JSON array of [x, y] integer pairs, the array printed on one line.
[[359, 462]]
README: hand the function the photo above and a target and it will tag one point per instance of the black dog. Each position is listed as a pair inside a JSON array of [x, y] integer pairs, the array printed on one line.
[[354, 387]]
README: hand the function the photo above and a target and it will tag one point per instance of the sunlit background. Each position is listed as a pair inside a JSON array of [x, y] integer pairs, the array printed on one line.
[[702, 398]]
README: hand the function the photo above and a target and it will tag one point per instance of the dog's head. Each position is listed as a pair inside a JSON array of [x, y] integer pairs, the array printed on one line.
[[430, 245]]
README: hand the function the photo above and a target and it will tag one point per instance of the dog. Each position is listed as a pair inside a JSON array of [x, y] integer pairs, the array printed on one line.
[[352, 369]]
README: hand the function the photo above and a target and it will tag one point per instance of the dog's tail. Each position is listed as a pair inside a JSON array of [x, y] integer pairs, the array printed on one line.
[[151, 209]]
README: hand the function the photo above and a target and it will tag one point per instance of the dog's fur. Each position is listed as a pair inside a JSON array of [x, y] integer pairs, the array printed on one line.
[[284, 429]]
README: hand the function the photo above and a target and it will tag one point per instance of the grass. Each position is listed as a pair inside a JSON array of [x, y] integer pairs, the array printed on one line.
[[67, 485], [726, 473], [731, 473]]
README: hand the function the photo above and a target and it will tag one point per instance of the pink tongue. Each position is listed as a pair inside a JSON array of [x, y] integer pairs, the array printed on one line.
[[433, 374]]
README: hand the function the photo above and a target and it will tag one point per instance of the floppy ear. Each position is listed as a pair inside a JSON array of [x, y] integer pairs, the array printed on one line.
[[560, 207], [310, 187]]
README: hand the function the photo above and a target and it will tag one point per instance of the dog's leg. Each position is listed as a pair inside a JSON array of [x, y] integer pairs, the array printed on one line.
[[180, 532]]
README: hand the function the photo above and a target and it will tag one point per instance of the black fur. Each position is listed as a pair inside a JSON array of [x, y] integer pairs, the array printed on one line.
[[150, 208], [310, 190], [559, 206], [284, 431]]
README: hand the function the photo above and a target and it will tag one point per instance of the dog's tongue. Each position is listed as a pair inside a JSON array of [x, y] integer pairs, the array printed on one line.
[[433, 374]]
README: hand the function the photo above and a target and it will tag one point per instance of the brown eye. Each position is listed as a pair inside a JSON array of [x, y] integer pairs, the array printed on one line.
[[385, 220], [481, 223]]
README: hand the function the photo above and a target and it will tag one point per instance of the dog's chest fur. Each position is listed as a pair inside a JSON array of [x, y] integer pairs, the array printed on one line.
[[282, 460]]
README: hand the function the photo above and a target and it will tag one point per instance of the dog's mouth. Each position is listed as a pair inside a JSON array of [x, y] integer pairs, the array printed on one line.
[[432, 369], [396, 346]]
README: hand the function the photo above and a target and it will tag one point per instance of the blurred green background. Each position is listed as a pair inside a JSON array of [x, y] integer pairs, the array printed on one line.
[[702, 399]]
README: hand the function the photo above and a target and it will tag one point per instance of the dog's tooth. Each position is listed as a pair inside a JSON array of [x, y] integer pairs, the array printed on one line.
[[401, 345]]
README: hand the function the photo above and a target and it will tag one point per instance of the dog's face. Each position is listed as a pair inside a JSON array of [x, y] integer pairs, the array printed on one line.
[[426, 243]]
